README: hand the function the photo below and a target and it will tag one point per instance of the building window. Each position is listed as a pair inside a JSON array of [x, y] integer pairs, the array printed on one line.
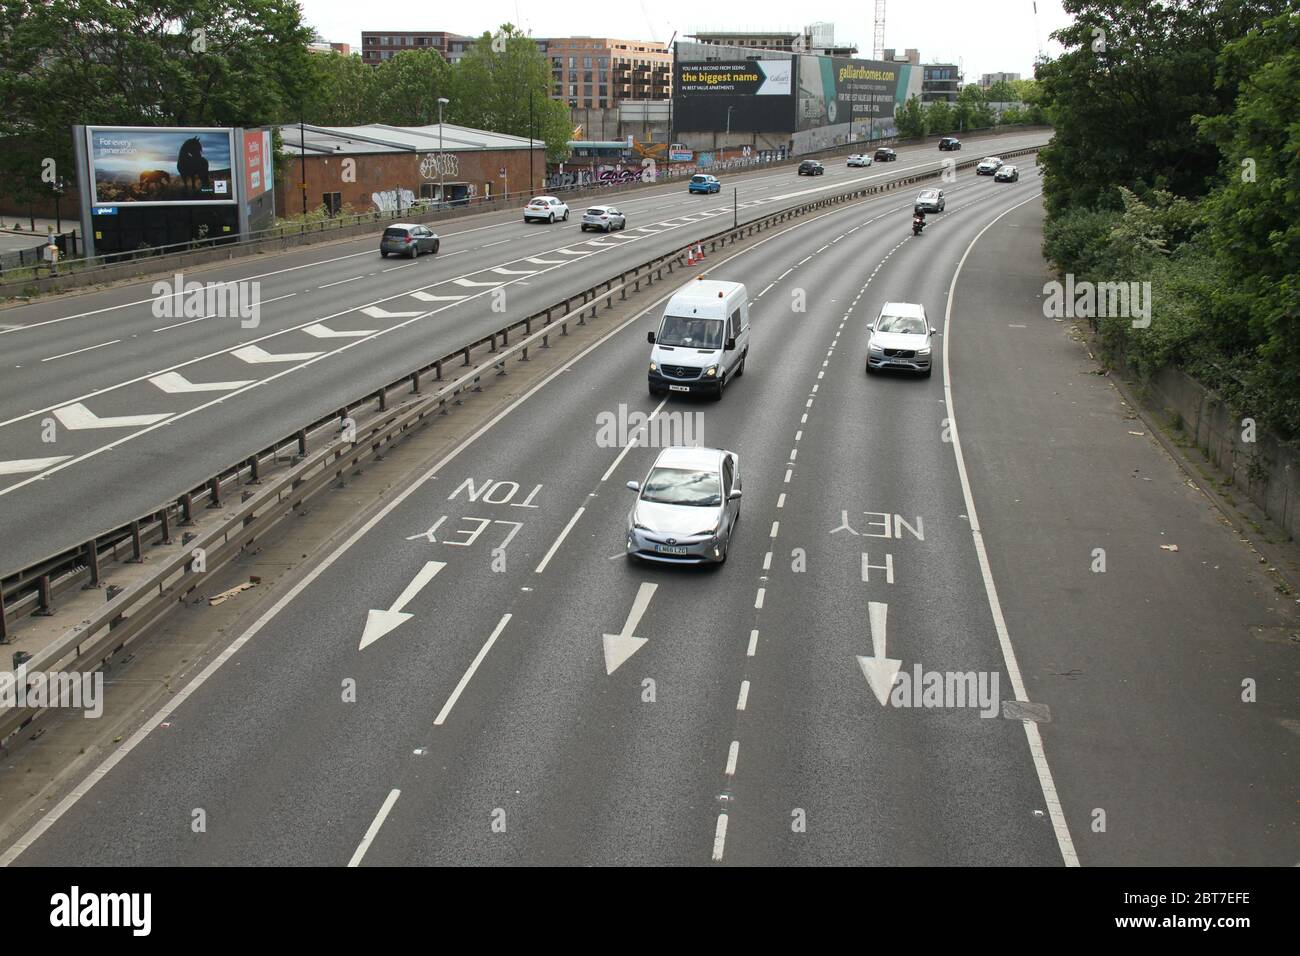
[[586, 63]]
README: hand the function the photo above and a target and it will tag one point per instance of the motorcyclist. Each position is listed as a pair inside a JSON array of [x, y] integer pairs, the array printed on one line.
[[918, 221]]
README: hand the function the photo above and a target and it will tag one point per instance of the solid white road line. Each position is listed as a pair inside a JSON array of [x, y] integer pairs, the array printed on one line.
[[1045, 781], [88, 348], [375, 824], [559, 541], [464, 681]]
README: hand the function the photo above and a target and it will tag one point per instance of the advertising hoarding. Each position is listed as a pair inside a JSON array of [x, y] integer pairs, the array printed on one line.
[[259, 171], [160, 166], [838, 90], [746, 96]]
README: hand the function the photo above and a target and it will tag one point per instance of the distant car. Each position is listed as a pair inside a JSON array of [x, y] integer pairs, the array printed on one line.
[[885, 155], [687, 508], [408, 239], [929, 200], [603, 217], [900, 339], [859, 159], [949, 142], [700, 183], [1007, 174], [810, 167], [988, 166], [545, 209]]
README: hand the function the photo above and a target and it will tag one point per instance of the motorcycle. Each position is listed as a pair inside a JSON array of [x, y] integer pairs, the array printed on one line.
[[918, 223]]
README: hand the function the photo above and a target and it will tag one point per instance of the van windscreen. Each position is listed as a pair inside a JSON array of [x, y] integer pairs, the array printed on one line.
[[691, 333]]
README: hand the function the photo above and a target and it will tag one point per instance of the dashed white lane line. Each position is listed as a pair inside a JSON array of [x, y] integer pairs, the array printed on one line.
[[744, 695], [464, 681], [328, 285], [177, 325], [780, 501], [499, 242], [753, 644], [776, 526], [758, 598], [767, 561], [790, 471], [733, 755], [720, 838], [559, 541], [632, 443], [373, 831], [89, 348]]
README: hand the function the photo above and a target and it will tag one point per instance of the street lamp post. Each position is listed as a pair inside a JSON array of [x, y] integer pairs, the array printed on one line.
[[442, 159]]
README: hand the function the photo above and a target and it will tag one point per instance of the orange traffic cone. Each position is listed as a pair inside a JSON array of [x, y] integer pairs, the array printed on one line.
[[699, 250], [690, 256]]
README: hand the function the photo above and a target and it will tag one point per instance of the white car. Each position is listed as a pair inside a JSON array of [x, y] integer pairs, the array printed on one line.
[[545, 209], [900, 339], [988, 166], [687, 508], [605, 218], [859, 159]]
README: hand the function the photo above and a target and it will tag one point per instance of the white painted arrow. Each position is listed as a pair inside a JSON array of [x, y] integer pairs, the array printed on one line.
[[319, 331], [77, 416], [471, 284], [571, 252], [429, 297], [379, 623], [619, 647], [174, 383], [514, 272], [375, 312], [879, 670], [256, 355], [21, 466]]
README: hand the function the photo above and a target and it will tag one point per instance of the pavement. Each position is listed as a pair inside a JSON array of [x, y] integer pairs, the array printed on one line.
[[950, 524]]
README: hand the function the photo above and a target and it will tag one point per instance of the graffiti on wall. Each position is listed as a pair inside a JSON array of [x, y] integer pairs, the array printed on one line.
[[433, 165], [618, 175], [391, 200]]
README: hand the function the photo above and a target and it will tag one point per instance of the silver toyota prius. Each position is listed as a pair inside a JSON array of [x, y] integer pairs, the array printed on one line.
[[687, 507]]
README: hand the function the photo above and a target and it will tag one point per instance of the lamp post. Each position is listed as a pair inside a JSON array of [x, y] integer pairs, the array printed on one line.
[[442, 159]]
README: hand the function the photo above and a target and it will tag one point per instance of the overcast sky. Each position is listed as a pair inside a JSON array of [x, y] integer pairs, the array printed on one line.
[[1002, 35]]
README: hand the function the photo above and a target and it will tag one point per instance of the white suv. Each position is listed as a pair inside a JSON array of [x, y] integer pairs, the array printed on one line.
[[545, 209], [901, 339]]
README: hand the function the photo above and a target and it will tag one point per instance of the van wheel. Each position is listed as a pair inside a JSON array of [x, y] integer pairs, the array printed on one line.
[[722, 384], [741, 370]]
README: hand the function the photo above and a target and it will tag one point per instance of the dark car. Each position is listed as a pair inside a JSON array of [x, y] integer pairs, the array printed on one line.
[[950, 142], [1007, 174], [885, 155], [810, 167], [408, 239]]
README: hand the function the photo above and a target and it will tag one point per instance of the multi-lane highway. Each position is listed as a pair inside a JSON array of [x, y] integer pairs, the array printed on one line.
[[477, 674], [112, 401]]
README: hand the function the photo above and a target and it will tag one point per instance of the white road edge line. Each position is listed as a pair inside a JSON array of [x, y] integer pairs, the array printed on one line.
[[464, 681], [373, 830], [1045, 781]]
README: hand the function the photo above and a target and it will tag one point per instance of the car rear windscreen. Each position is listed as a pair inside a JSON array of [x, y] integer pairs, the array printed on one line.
[[395, 233]]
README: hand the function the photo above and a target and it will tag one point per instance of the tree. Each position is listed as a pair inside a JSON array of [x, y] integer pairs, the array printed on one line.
[[1001, 92], [344, 91], [939, 117], [972, 110], [407, 88], [910, 119]]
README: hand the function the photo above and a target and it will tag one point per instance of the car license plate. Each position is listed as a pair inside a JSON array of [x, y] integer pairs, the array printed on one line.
[[679, 388], [671, 548]]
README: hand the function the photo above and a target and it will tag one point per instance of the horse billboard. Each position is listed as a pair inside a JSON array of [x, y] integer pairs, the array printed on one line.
[[157, 166]]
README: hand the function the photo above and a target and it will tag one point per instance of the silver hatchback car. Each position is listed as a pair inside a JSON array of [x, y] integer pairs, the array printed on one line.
[[687, 508], [603, 217]]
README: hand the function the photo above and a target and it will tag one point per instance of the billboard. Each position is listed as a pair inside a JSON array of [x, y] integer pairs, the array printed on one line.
[[747, 96], [259, 169], [837, 90], [159, 166]]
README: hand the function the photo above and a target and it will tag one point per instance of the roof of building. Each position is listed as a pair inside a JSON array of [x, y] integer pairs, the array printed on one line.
[[382, 138]]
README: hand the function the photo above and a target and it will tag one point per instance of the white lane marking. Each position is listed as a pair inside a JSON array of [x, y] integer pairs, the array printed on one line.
[[769, 285], [328, 285], [758, 598], [319, 331], [547, 262], [767, 561], [733, 754], [177, 325], [720, 838], [465, 678], [117, 756], [430, 297], [632, 442], [373, 830], [619, 647], [573, 252], [744, 695], [395, 268], [753, 644], [380, 622], [174, 383], [788, 473], [375, 312], [776, 525], [20, 466], [89, 348], [780, 501], [559, 541], [1032, 737], [256, 355], [472, 284], [77, 417], [491, 244], [499, 270]]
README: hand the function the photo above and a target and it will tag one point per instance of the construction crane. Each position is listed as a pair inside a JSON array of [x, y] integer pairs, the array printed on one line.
[[879, 45]]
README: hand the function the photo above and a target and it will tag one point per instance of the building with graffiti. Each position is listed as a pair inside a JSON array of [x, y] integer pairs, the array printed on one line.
[[388, 168]]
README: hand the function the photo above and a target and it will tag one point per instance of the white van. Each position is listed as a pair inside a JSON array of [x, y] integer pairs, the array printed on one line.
[[703, 339]]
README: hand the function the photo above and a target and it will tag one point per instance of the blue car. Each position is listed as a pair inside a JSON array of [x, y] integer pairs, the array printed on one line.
[[701, 183]]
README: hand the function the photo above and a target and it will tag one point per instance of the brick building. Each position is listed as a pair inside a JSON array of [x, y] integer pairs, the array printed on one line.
[[380, 167], [599, 72]]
